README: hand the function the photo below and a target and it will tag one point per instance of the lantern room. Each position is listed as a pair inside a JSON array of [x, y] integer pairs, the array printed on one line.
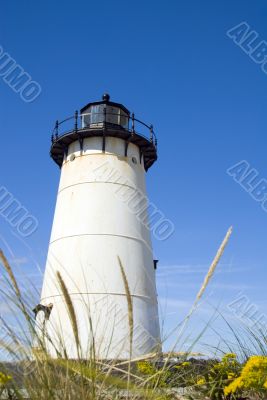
[[105, 114]]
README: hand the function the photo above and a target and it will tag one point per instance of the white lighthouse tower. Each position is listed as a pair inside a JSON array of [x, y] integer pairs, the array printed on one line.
[[101, 217]]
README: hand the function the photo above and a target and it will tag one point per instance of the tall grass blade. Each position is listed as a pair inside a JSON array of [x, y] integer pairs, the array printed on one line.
[[71, 311], [130, 316], [10, 273]]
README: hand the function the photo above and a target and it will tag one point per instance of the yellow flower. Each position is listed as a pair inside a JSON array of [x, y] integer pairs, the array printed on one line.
[[186, 364], [4, 379], [229, 355], [201, 381], [232, 388], [231, 375], [146, 368], [253, 376]]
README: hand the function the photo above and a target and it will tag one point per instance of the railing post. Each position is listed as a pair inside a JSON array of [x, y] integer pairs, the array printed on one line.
[[133, 127], [76, 121], [104, 131], [56, 129], [151, 133], [105, 116]]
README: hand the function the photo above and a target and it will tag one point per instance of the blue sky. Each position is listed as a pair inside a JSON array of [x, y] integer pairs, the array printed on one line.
[[173, 64]]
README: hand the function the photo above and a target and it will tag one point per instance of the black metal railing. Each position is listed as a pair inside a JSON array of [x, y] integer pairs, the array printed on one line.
[[133, 125]]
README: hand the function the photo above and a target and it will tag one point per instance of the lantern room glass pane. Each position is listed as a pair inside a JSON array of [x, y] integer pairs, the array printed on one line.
[[124, 119], [97, 114], [113, 115]]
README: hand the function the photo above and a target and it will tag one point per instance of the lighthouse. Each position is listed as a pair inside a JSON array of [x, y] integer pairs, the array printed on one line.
[[100, 224]]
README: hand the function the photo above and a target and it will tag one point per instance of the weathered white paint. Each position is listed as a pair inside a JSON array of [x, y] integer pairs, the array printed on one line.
[[93, 225]]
